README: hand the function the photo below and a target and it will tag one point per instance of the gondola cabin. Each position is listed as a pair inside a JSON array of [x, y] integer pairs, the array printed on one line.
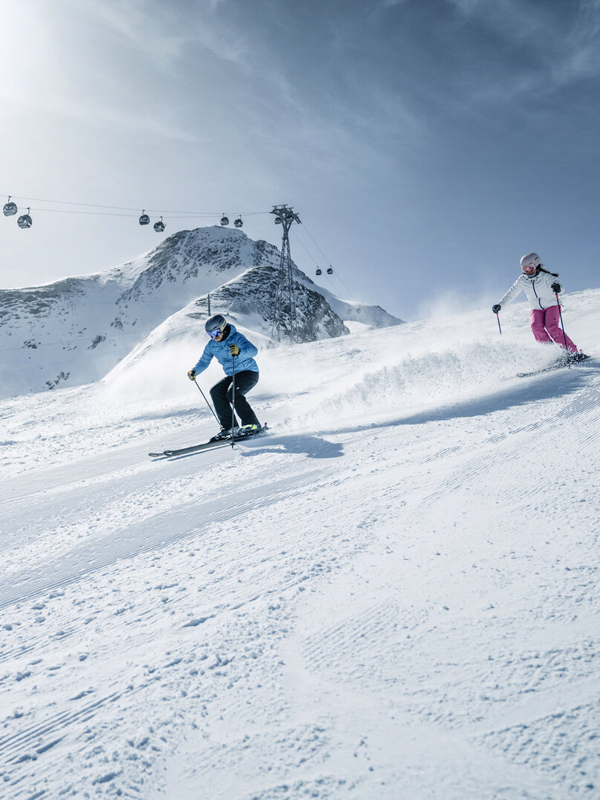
[[25, 220], [10, 208]]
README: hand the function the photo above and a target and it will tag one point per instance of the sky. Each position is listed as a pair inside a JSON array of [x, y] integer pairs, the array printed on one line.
[[425, 144]]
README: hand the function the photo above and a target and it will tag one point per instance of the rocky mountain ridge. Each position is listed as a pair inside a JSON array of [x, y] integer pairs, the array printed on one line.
[[76, 330]]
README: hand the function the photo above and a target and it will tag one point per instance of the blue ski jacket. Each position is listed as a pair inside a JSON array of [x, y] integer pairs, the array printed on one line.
[[220, 351]]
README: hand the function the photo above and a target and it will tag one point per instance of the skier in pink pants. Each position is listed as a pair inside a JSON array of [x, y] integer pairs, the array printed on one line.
[[542, 290]]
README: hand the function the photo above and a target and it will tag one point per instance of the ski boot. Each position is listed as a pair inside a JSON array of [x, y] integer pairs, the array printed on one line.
[[578, 356], [224, 433], [248, 430]]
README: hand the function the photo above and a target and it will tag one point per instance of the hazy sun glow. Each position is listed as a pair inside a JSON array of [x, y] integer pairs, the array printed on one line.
[[391, 128], [26, 62]]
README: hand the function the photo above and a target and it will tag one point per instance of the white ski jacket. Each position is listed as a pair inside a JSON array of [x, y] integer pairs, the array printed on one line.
[[536, 287]]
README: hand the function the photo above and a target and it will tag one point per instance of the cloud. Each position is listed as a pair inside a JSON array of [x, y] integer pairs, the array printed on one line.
[[387, 4], [582, 58], [543, 46], [140, 23]]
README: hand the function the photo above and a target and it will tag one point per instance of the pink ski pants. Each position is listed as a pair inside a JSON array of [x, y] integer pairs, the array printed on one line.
[[546, 328]]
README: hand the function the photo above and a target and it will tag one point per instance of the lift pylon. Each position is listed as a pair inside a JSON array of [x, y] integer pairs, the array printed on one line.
[[284, 306]]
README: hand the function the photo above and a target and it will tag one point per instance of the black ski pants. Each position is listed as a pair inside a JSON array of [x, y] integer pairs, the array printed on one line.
[[222, 392]]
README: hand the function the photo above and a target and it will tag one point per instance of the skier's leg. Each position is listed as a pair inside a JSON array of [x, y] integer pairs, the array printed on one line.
[[244, 381], [221, 401], [537, 325], [552, 324]]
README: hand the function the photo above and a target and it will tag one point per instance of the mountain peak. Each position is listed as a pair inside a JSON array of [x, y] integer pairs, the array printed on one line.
[[76, 330]]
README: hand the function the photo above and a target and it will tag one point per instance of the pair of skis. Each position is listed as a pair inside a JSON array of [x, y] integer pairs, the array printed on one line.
[[212, 444], [562, 362]]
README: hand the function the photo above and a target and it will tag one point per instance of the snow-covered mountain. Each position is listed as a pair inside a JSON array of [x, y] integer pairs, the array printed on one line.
[[76, 330], [392, 596], [174, 346]]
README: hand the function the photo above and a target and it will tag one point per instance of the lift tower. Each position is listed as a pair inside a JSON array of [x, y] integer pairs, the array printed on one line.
[[284, 307]]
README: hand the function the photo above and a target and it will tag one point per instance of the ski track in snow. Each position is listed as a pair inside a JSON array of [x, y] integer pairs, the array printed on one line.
[[395, 594]]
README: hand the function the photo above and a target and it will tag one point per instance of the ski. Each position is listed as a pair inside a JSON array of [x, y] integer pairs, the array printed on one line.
[[195, 448], [212, 444], [563, 362]]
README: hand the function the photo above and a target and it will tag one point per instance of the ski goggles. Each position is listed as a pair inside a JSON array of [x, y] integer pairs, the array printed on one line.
[[215, 333]]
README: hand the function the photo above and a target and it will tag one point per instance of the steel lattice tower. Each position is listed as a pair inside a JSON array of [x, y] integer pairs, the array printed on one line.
[[284, 307]]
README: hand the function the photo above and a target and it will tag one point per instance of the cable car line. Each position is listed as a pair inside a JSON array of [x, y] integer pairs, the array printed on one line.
[[25, 221], [319, 271], [125, 208], [316, 245]]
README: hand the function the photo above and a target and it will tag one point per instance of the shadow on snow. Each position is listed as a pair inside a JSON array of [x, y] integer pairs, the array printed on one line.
[[311, 446]]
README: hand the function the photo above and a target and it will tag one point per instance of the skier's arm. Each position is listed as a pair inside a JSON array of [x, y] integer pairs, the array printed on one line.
[[555, 285], [514, 290], [247, 349], [204, 360]]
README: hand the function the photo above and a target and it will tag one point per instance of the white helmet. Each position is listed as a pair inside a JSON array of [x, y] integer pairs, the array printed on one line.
[[530, 263]]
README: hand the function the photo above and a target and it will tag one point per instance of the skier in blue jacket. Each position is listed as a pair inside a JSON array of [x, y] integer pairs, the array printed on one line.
[[226, 344]]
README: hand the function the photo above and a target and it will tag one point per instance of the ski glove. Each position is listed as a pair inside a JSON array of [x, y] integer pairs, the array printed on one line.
[[234, 349], [496, 308], [192, 374], [555, 287]]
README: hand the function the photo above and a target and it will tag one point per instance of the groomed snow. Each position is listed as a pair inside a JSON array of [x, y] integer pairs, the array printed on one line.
[[393, 595]]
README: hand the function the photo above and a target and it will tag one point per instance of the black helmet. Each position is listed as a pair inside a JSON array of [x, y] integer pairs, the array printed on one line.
[[216, 323]]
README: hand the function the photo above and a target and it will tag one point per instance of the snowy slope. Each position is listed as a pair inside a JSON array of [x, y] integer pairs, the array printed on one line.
[[394, 595], [75, 331]]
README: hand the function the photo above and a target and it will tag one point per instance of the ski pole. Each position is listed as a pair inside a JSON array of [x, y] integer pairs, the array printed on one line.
[[207, 403], [562, 325], [499, 326], [232, 399]]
